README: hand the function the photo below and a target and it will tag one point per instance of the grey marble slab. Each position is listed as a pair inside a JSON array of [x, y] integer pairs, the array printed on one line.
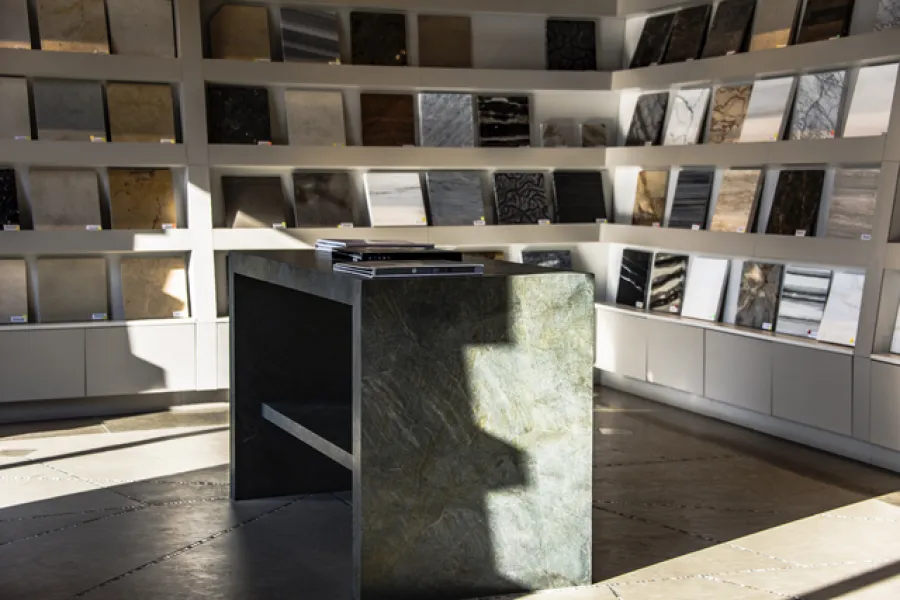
[[310, 36], [395, 200], [767, 110], [504, 121], [653, 41], [522, 199], [14, 27], [633, 278], [729, 28], [736, 203], [252, 202], [705, 288], [69, 110], [802, 304], [71, 290], [758, 299], [315, 118], [840, 321], [323, 199], [773, 23], [873, 97], [687, 117], [549, 259], [852, 212], [455, 197], [887, 15], [667, 282], [15, 118], [817, 107], [560, 133], [64, 199], [13, 291], [647, 121], [446, 120], [73, 25], [142, 27], [690, 206]]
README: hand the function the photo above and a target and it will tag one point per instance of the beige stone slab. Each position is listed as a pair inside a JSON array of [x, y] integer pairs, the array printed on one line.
[[72, 290], [142, 199], [142, 27], [73, 26], [15, 117], [64, 199], [140, 112], [154, 288], [13, 291], [14, 30], [728, 113], [240, 33]]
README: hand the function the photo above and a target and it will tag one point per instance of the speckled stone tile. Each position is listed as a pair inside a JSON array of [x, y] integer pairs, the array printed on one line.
[[237, 115], [767, 110], [323, 199], [154, 288], [650, 199], [445, 41], [14, 27], [571, 45], [736, 203], [667, 282], [446, 120], [729, 109], [888, 15], [310, 36], [773, 23], [13, 291], [455, 197], [9, 199], [796, 204], [687, 117], [758, 299], [840, 322], [142, 199], [73, 25], [560, 133], [15, 118], [873, 97], [254, 202], [802, 301], [378, 38], [387, 120], [653, 41], [68, 110], [72, 290], [315, 118], [504, 121], [633, 278], [817, 107], [522, 199], [729, 29], [824, 20], [647, 121], [688, 32], [395, 200], [852, 211], [549, 259], [240, 32], [579, 196], [142, 27], [140, 112], [690, 207], [64, 199]]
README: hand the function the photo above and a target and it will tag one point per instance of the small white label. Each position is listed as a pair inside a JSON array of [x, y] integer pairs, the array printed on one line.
[[543, 221], [653, 64], [695, 227], [11, 228], [741, 229], [167, 141], [800, 233], [262, 60], [639, 305], [281, 225], [603, 221], [730, 52], [18, 319], [168, 226], [263, 143], [345, 226], [812, 335], [689, 59], [98, 138], [179, 314], [866, 237], [767, 326], [22, 138], [657, 225], [98, 317], [479, 223], [93, 227], [673, 309], [648, 144]]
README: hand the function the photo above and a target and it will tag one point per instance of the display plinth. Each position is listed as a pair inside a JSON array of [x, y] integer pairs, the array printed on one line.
[[466, 404]]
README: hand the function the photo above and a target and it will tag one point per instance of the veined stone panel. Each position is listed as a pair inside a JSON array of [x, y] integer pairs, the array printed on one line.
[[142, 199], [310, 36], [395, 200], [154, 288], [455, 197], [323, 199]]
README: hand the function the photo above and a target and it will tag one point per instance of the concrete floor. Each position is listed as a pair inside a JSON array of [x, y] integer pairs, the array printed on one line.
[[685, 508]]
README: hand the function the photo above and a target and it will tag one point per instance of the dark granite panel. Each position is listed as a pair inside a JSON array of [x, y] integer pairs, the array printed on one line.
[[796, 204], [758, 300], [647, 122], [579, 196], [654, 40], [387, 120], [445, 41], [455, 197], [310, 36], [825, 19], [323, 199], [9, 198], [503, 121], [550, 259], [730, 27], [633, 278], [237, 115], [690, 207], [571, 45], [688, 33], [254, 202], [378, 38], [521, 199], [650, 199], [668, 282]]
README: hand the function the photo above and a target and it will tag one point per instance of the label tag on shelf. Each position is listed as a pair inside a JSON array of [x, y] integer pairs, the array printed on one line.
[[179, 314], [741, 229], [695, 227], [281, 225], [98, 138], [657, 225], [812, 335], [169, 226], [639, 305], [647, 144], [167, 141], [22, 138], [866, 237], [800, 233], [479, 223], [730, 52], [93, 227], [424, 220], [345, 226], [99, 317], [263, 143], [673, 309], [603, 221], [11, 228], [767, 326], [852, 341], [544, 222], [18, 319]]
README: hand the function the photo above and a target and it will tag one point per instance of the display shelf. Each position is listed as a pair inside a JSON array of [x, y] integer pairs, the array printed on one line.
[[97, 67], [489, 236], [568, 8], [890, 359], [304, 239], [629, 8], [61, 242], [37, 153], [93, 325], [892, 257]]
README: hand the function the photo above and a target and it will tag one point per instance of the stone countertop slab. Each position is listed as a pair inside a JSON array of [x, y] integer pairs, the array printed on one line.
[[445, 41], [64, 199], [579, 196], [653, 41], [315, 118], [310, 36], [323, 199], [688, 32], [736, 203], [387, 120], [757, 302], [690, 207], [378, 38], [650, 199], [14, 27], [571, 45], [72, 290], [252, 202], [824, 20], [729, 109], [522, 199], [667, 283], [142, 27], [852, 212], [796, 204], [647, 121], [142, 199], [773, 23], [140, 112], [455, 197], [238, 115], [395, 200], [15, 118], [729, 29], [154, 288], [73, 25], [446, 120], [13, 291], [504, 121], [69, 110], [240, 32], [633, 278], [9, 198]]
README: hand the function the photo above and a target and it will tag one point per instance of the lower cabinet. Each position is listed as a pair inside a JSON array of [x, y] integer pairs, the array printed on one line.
[[621, 344], [223, 345], [813, 387], [739, 371], [675, 356], [885, 405], [41, 364]]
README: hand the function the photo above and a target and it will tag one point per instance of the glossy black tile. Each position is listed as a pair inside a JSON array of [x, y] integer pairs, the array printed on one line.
[[730, 28], [647, 122], [571, 45], [633, 277], [323, 199], [237, 115], [688, 34], [824, 20], [503, 121], [522, 199], [579, 196], [690, 207], [796, 205], [653, 41], [378, 38], [9, 199]]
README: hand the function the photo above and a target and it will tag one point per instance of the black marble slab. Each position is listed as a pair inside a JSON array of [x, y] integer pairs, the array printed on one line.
[[549, 259], [688, 34], [310, 35], [824, 20], [653, 41], [522, 199], [378, 38], [387, 120], [633, 278], [504, 121], [9, 198], [323, 199], [730, 28], [796, 205], [758, 298], [668, 282], [579, 196], [237, 115], [571, 45], [252, 202], [647, 123], [690, 207]]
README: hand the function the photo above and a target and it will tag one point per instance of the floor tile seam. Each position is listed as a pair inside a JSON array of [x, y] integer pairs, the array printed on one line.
[[689, 507], [106, 481], [99, 486], [751, 587], [858, 518], [665, 460], [661, 525]]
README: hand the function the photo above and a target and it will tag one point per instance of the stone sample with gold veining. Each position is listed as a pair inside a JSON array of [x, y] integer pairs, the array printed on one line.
[[64, 199], [142, 27], [73, 25], [378, 38], [758, 299], [650, 200], [795, 208], [773, 23], [14, 28], [142, 199], [736, 204], [445, 41], [240, 33], [154, 288], [140, 112], [13, 291], [728, 112], [15, 116], [72, 290], [69, 111]]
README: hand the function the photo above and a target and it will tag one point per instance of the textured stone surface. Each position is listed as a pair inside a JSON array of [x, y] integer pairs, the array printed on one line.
[[667, 282], [802, 302], [310, 36], [549, 259], [560, 133], [767, 110], [142, 27], [254, 202], [395, 199], [9, 198], [455, 197], [633, 278], [688, 32], [154, 288], [64, 199], [687, 118], [796, 204], [824, 20], [446, 120], [729, 29], [237, 115], [240, 32], [817, 107], [594, 133], [315, 118], [690, 206], [650, 199], [142, 199], [445, 41], [73, 25], [773, 23], [571, 45], [509, 41], [647, 121], [840, 321], [705, 288], [888, 15], [736, 203], [579, 196], [852, 210], [728, 112], [758, 299], [323, 199], [653, 41], [522, 199], [72, 290], [387, 120], [15, 118], [68, 110], [873, 96], [503, 121], [14, 28], [378, 38], [140, 112], [13, 291]]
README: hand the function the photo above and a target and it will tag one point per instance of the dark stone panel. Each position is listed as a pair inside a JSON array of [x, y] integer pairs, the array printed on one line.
[[378, 38], [550, 259], [796, 204], [323, 199], [310, 36], [522, 199], [9, 198], [653, 41], [237, 115], [647, 122], [503, 121], [688, 33], [692, 194], [825, 19], [445, 41], [387, 120], [454, 197], [571, 45], [730, 27], [758, 298], [254, 202], [633, 277], [579, 196]]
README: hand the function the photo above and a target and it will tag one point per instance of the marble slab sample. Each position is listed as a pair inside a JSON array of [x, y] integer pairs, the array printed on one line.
[[840, 322], [852, 212], [387, 120], [688, 32], [64, 199], [323, 199], [887, 16], [729, 109], [15, 31], [593, 134], [690, 207], [252, 202], [736, 203], [310, 36], [687, 117], [549, 259], [571, 45], [240, 32], [509, 41], [72, 290], [758, 299], [455, 197], [13, 291], [817, 106], [767, 110], [69, 110], [650, 200], [824, 20], [315, 118], [705, 288], [796, 205], [560, 133], [142, 199], [873, 96], [154, 288], [73, 26], [633, 278], [445, 41], [237, 115], [378, 38], [729, 29], [522, 199], [503, 121], [647, 121], [802, 303], [15, 118], [395, 200], [579, 196], [773, 23], [9, 199], [653, 41], [446, 120], [142, 27], [667, 282], [140, 112]]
